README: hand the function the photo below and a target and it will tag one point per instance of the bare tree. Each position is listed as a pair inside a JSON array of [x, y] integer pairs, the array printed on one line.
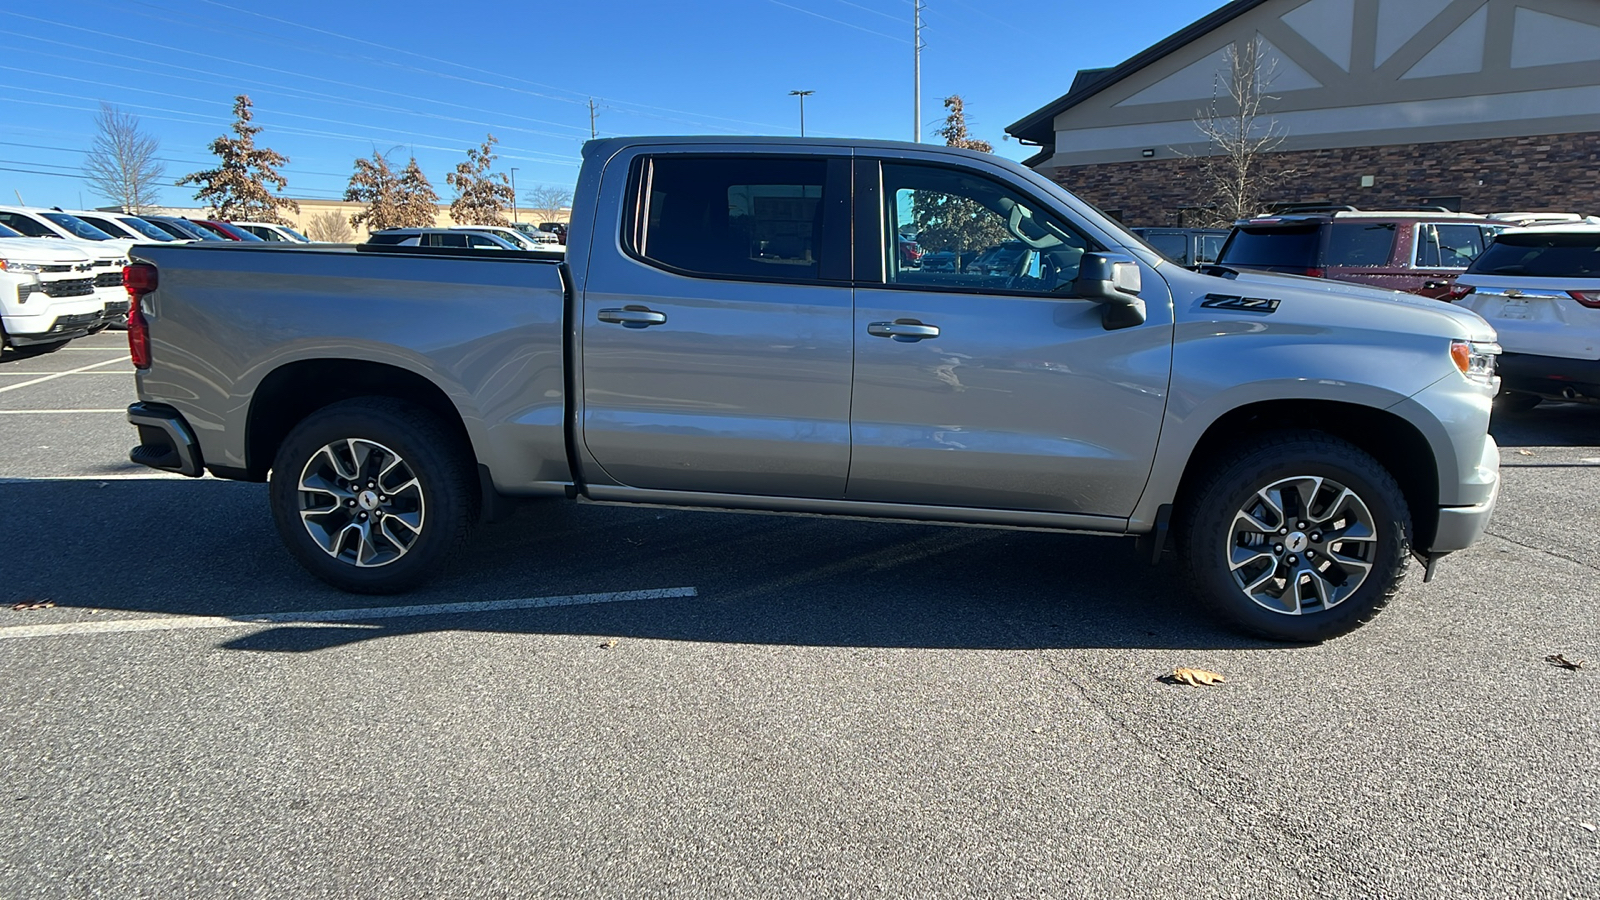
[[550, 202], [947, 222], [482, 196], [419, 205], [1234, 173], [375, 184], [330, 227], [122, 164], [237, 188]]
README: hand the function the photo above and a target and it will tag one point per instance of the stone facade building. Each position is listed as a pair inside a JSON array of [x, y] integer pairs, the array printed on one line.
[[1479, 105]]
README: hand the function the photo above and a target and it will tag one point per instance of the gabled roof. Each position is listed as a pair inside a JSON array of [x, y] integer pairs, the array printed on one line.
[[1038, 127]]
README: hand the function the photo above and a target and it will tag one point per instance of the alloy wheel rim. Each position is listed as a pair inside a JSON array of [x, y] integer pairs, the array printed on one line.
[[1301, 545], [361, 503]]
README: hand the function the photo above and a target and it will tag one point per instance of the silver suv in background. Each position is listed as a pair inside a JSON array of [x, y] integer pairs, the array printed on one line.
[[442, 237], [1540, 288]]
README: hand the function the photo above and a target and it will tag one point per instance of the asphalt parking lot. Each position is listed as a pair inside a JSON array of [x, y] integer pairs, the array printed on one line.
[[799, 707]]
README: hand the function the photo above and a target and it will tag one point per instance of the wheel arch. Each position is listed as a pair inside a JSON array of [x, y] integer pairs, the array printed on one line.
[[1395, 442], [295, 390]]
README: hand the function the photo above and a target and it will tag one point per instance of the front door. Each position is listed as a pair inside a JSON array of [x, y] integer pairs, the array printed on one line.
[[981, 382], [716, 344]]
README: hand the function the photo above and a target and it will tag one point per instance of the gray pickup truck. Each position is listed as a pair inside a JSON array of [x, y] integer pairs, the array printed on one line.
[[738, 324]]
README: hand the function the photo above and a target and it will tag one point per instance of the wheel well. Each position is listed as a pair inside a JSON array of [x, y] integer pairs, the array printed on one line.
[[1395, 443], [289, 394]]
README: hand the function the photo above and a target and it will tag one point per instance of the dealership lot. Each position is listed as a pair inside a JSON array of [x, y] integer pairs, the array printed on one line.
[[799, 707]]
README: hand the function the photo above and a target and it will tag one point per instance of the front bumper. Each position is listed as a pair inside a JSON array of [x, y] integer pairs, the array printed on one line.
[[1461, 526], [63, 328], [166, 441]]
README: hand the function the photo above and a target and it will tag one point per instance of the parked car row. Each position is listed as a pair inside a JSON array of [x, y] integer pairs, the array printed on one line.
[[477, 237], [1535, 276]]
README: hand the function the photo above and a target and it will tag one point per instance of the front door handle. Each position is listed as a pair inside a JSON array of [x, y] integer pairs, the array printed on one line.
[[905, 330], [632, 317]]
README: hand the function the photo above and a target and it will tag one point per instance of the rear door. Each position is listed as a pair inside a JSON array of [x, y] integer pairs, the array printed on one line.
[[716, 323], [991, 385]]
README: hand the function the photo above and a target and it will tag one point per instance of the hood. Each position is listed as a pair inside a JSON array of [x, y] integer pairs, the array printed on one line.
[[41, 252], [113, 249], [1465, 319]]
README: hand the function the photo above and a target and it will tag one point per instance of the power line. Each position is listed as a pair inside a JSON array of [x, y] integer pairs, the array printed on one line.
[[836, 21]]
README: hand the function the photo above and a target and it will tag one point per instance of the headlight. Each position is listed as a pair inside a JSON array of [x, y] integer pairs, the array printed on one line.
[[7, 265], [1475, 359]]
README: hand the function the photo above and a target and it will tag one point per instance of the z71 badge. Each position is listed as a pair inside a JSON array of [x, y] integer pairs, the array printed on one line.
[[1248, 304]]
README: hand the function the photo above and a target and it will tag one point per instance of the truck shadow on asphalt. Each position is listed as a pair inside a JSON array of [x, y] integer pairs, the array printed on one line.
[[208, 548], [1548, 425]]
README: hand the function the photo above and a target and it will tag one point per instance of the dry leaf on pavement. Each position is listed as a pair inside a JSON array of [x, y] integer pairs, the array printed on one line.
[[1524, 452], [38, 604], [1557, 659], [1196, 677], [608, 643]]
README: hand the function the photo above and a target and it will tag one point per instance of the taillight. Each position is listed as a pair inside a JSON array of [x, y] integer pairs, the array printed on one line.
[[1590, 299], [1317, 273], [139, 279], [1460, 291]]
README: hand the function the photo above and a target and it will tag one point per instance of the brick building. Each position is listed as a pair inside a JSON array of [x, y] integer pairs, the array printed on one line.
[[1481, 105]]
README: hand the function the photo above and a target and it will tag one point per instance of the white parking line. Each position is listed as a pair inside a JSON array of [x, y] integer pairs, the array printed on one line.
[[55, 412], [332, 617], [13, 387], [8, 372], [151, 475]]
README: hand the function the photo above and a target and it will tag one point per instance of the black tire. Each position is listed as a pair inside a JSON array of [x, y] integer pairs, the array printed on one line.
[[445, 497], [1515, 402], [1208, 538]]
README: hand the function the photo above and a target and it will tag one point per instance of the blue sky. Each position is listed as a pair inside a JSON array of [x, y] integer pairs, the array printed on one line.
[[333, 81]]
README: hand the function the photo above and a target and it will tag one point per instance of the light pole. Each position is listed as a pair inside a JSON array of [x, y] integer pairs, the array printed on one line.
[[802, 95], [514, 194]]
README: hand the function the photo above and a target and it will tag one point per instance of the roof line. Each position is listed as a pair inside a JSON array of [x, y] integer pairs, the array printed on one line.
[[1028, 128]]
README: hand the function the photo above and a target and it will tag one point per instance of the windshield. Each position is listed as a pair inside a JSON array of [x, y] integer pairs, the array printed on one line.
[[1265, 248], [1542, 256], [146, 229], [77, 227], [294, 234]]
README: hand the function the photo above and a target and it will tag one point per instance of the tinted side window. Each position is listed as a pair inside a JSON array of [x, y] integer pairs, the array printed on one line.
[[1361, 244], [388, 238], [1174, 245], [1210, 247], [1542, 255], [738, 217], [994, 238]]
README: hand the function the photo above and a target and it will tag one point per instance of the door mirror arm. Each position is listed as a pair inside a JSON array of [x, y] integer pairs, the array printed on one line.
[[1112, 280]]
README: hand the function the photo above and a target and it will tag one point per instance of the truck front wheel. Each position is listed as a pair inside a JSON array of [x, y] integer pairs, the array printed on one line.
[[1301, 537], [372, 495]]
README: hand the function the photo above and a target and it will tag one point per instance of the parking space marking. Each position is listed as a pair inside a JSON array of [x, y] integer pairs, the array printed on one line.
[[55, 412], [333, 618], [110, 476], [79, 374], [13, 387]]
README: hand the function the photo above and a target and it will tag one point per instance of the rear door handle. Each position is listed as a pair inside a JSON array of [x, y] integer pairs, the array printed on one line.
[[632, 317], [905, 330]]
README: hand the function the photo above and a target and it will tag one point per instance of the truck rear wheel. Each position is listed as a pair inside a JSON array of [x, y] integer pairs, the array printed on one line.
[[372, 495], [1302, 537]]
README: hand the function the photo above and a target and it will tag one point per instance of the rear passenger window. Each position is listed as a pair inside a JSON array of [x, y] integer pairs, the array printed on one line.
[[739, 217], [1361, 244], [1448, 246], [1172, 245]]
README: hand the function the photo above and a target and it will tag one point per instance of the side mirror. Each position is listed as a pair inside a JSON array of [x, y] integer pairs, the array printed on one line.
[[1113, 281]]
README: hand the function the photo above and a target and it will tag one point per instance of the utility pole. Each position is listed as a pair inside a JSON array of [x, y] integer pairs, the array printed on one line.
[[916, 69], [591, 119], [514, 194], [802, 95]]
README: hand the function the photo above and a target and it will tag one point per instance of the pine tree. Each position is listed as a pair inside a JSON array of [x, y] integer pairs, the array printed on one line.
[[482, 197], [419, 205], [375, 184], [947, 222], [237, 188]]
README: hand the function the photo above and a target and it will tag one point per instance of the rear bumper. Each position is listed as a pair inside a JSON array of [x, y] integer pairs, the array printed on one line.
[[166, 441], [1461, 526], [1550, 376]]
